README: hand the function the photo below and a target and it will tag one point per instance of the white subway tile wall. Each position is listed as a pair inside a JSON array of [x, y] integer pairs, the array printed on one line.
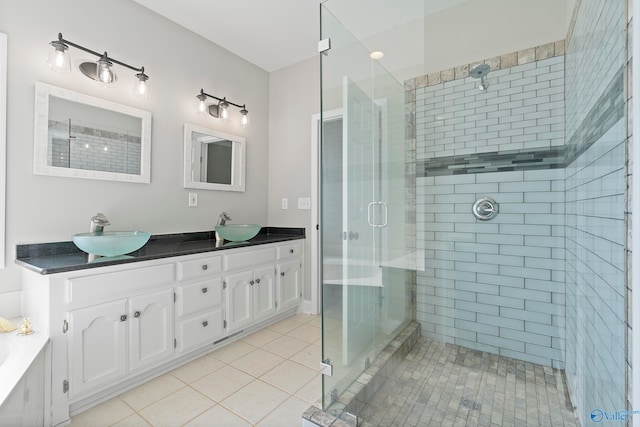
[[596, 319], [497, 285], [523, 108]]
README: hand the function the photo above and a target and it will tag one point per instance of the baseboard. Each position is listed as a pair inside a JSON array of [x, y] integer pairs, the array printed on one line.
[[308, 308]]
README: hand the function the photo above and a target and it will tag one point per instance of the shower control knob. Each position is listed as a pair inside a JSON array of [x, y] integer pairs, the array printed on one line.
[[485, 208]]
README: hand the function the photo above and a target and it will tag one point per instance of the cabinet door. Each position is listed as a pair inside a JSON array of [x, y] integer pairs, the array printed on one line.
[[289, 284], [264, 292], [98, 345], [151, 337], [239, 300]]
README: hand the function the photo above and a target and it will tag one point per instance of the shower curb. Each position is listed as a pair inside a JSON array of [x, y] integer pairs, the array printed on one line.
[[362, 390]]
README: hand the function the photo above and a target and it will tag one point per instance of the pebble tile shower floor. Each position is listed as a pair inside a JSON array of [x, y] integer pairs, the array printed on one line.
[[441, 384]]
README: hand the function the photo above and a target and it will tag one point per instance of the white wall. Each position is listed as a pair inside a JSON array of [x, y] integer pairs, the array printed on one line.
[[294, 98], [481, 29], [179, 63]]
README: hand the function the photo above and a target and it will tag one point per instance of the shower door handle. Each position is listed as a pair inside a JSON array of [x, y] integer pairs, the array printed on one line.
[[370, 208]]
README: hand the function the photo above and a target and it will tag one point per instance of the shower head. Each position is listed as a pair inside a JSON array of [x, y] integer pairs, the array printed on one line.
[[480, 71]]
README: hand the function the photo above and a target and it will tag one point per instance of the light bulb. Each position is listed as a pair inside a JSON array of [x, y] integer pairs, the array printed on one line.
[[103, 70], [202, 107], [59, 57], [245, 117], [140, 88], [224, 110]]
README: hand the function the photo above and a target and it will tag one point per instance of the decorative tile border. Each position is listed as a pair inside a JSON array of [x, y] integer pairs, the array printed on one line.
[[609, 108], [514, 160], [512, 59]]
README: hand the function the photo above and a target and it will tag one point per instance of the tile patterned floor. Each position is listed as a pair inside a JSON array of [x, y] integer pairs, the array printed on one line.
[[441, 384], [266, 379]]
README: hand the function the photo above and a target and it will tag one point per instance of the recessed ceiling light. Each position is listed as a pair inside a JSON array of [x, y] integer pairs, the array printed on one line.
[[376, 54]]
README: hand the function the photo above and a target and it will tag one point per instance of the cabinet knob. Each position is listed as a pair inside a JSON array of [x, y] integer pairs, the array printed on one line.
[[257, 280], [136, 314], [205, 290], [282, 273], [205, 266], [251, 283], [123, 318], [290, 251], [205, 323]]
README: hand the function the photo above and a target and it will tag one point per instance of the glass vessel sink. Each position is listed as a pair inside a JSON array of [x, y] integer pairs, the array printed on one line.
[[111, 243], [237, 232]]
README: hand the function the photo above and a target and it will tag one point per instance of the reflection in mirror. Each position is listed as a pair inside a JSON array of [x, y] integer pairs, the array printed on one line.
[[3, 139], [213, 160], [81, 136]]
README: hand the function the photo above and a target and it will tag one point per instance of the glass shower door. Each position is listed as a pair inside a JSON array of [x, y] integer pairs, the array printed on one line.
[[365, 294], [359, 275]]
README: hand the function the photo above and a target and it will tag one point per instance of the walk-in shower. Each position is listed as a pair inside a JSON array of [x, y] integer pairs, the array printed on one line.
[[490, 221]]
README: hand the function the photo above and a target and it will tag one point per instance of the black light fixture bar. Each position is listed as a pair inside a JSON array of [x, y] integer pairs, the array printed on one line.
[[99, 55], [220, 110], [202, 92]]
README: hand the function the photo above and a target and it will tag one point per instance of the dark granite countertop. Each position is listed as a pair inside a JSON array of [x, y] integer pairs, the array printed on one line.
[[59, 257]]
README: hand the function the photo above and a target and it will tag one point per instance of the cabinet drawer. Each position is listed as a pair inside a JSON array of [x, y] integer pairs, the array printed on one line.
[[292, 250], [200, 330], [250, 258], [199, 296], [93, 289], [200, 267]]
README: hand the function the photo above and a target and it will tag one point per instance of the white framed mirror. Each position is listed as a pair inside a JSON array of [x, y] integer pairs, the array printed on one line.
[[81, 136], [213, 160]]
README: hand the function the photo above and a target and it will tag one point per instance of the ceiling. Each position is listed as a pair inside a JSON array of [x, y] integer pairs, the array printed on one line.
[[277, 33]]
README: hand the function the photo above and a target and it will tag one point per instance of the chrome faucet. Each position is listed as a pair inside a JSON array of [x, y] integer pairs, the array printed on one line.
[[98, 222], [222, 220]]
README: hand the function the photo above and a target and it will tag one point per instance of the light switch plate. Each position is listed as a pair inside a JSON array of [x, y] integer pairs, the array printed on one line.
[[193, 199], [304, 203]]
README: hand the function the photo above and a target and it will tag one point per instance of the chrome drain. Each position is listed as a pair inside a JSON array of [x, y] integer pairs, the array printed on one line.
[[470, 404]]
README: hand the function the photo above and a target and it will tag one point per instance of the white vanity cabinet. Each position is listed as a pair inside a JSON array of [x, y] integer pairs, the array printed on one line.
[[199, 302], [289, 274], [113, 327], [110, 336], [250, 279], [97, 346]]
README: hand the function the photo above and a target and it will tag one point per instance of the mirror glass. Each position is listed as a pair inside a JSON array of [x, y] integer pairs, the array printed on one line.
[[213, 160], [3, 139], [80, 136]]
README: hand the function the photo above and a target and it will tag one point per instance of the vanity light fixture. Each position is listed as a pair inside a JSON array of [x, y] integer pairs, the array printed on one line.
[[101, 70], [221, 108]]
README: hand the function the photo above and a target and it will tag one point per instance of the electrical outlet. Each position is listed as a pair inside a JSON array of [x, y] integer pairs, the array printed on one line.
[[285, 203], [304, 203], [193, 199]]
